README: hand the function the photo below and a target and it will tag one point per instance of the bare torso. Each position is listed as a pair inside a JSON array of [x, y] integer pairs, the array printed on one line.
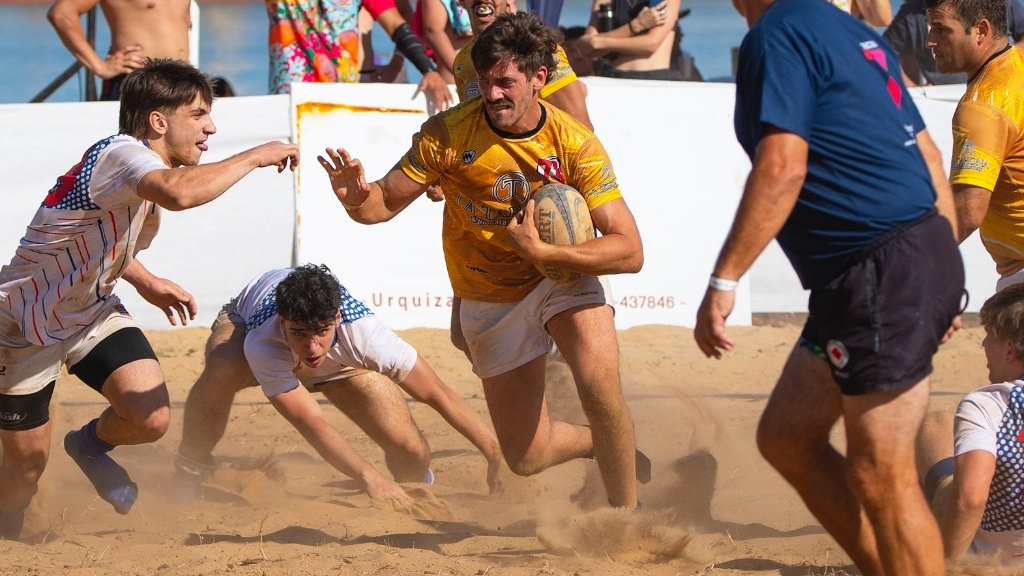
[[160, 27]]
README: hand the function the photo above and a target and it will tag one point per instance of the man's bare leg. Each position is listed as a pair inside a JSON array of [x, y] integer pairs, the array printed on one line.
[[881, 430], [587, 340], [530, 440], [139, 413], [377, 405], [793, 436], [25, 453], [208, 405]]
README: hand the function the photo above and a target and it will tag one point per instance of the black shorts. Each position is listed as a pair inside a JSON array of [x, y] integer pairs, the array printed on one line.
[[879, 322], [110, 89], [27, 411]]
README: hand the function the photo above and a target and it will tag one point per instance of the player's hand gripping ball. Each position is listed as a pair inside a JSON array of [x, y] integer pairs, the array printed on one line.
[[562, 217]]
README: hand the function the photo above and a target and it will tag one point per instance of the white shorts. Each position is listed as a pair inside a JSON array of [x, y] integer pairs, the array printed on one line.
[[26, 368], [504, 336]]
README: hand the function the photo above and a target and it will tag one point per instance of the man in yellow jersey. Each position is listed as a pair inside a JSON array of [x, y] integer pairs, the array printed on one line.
[[562, 89], [489, 155], [987, 171]]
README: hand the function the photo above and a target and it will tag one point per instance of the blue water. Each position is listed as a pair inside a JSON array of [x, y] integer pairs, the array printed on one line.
[[232, 43]]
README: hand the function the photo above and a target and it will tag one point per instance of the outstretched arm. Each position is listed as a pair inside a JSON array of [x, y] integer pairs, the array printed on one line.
[[66, 18], [162, 293], [368, 203], [301, 410], [780, 165], [189, 186], [424, 385]]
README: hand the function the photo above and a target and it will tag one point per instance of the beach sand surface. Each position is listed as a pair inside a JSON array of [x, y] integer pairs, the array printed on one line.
[[274, 507]]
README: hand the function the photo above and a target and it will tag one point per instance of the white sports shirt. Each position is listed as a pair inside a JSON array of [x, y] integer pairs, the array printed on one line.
[[990, 419], [88, 229], [361, 341]]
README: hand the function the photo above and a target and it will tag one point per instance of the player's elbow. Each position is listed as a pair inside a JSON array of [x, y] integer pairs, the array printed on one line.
[[634, 260]]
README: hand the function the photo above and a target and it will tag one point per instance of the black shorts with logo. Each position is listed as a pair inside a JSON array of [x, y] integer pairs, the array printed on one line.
[[879, 322]]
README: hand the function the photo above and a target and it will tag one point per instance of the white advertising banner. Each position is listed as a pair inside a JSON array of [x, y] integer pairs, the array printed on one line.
[[682, 188], [672, 145]]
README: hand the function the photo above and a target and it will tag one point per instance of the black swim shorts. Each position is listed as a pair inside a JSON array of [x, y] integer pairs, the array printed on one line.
[[879, 322]]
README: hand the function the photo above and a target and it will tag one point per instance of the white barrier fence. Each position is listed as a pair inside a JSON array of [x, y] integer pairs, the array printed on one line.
[[672, 145]]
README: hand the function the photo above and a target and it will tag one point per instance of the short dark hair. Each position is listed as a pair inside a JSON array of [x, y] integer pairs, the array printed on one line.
[[520, 37], [970, 12], [310, 295], [162, 85], [1003, 315]]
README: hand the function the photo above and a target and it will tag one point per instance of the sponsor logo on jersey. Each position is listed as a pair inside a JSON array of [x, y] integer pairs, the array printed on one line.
[[468, 156], [120, 309], [513, 189], [837, 354], [873, 52], [550, 167]]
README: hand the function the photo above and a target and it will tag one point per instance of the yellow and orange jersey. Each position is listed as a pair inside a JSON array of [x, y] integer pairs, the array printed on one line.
[[487, 177], [467, 84], [988, 152]]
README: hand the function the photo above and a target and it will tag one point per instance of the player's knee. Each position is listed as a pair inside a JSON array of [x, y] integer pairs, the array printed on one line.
[[151, 426], [526, 465], [874, 481], [20, 477], [771, 442]]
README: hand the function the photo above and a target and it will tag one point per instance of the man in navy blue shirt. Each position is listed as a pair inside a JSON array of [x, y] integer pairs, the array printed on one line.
[[848, 181]]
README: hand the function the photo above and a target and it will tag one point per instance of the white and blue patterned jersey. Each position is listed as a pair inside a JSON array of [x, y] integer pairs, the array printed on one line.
[[87, 230], [991, 419], [361, 341]]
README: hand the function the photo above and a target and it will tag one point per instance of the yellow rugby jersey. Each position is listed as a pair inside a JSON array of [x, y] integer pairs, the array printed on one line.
[[988, 152], [487, 178], [467, 85]]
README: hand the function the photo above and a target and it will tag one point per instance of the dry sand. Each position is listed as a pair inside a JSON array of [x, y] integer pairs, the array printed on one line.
[[275, 508]]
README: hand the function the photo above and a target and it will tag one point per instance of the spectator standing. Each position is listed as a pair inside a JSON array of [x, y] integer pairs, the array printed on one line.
[[139, 29]]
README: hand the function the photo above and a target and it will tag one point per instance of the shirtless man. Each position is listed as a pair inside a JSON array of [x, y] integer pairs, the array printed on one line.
[[139, 29]]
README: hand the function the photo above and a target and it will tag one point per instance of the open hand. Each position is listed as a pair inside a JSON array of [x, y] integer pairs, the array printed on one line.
[[170, 298], [348, 179]]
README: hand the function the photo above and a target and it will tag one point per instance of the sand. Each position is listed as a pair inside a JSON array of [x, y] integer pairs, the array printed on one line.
[[713, 507]]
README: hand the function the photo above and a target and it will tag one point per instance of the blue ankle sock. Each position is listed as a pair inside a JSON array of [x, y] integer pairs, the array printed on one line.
[[111, 481]]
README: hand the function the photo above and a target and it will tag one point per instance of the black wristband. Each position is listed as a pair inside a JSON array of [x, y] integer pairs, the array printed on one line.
[[412, 48]]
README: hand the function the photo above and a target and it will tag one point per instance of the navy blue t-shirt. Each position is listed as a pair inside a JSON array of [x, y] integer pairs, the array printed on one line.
[[808, 68]]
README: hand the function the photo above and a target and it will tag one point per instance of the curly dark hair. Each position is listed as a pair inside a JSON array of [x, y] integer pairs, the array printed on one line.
[[310, 295], [163, 85], [519, 37]]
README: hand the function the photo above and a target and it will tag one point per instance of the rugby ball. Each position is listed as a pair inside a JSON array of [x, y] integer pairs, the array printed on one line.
[[562, 217]]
